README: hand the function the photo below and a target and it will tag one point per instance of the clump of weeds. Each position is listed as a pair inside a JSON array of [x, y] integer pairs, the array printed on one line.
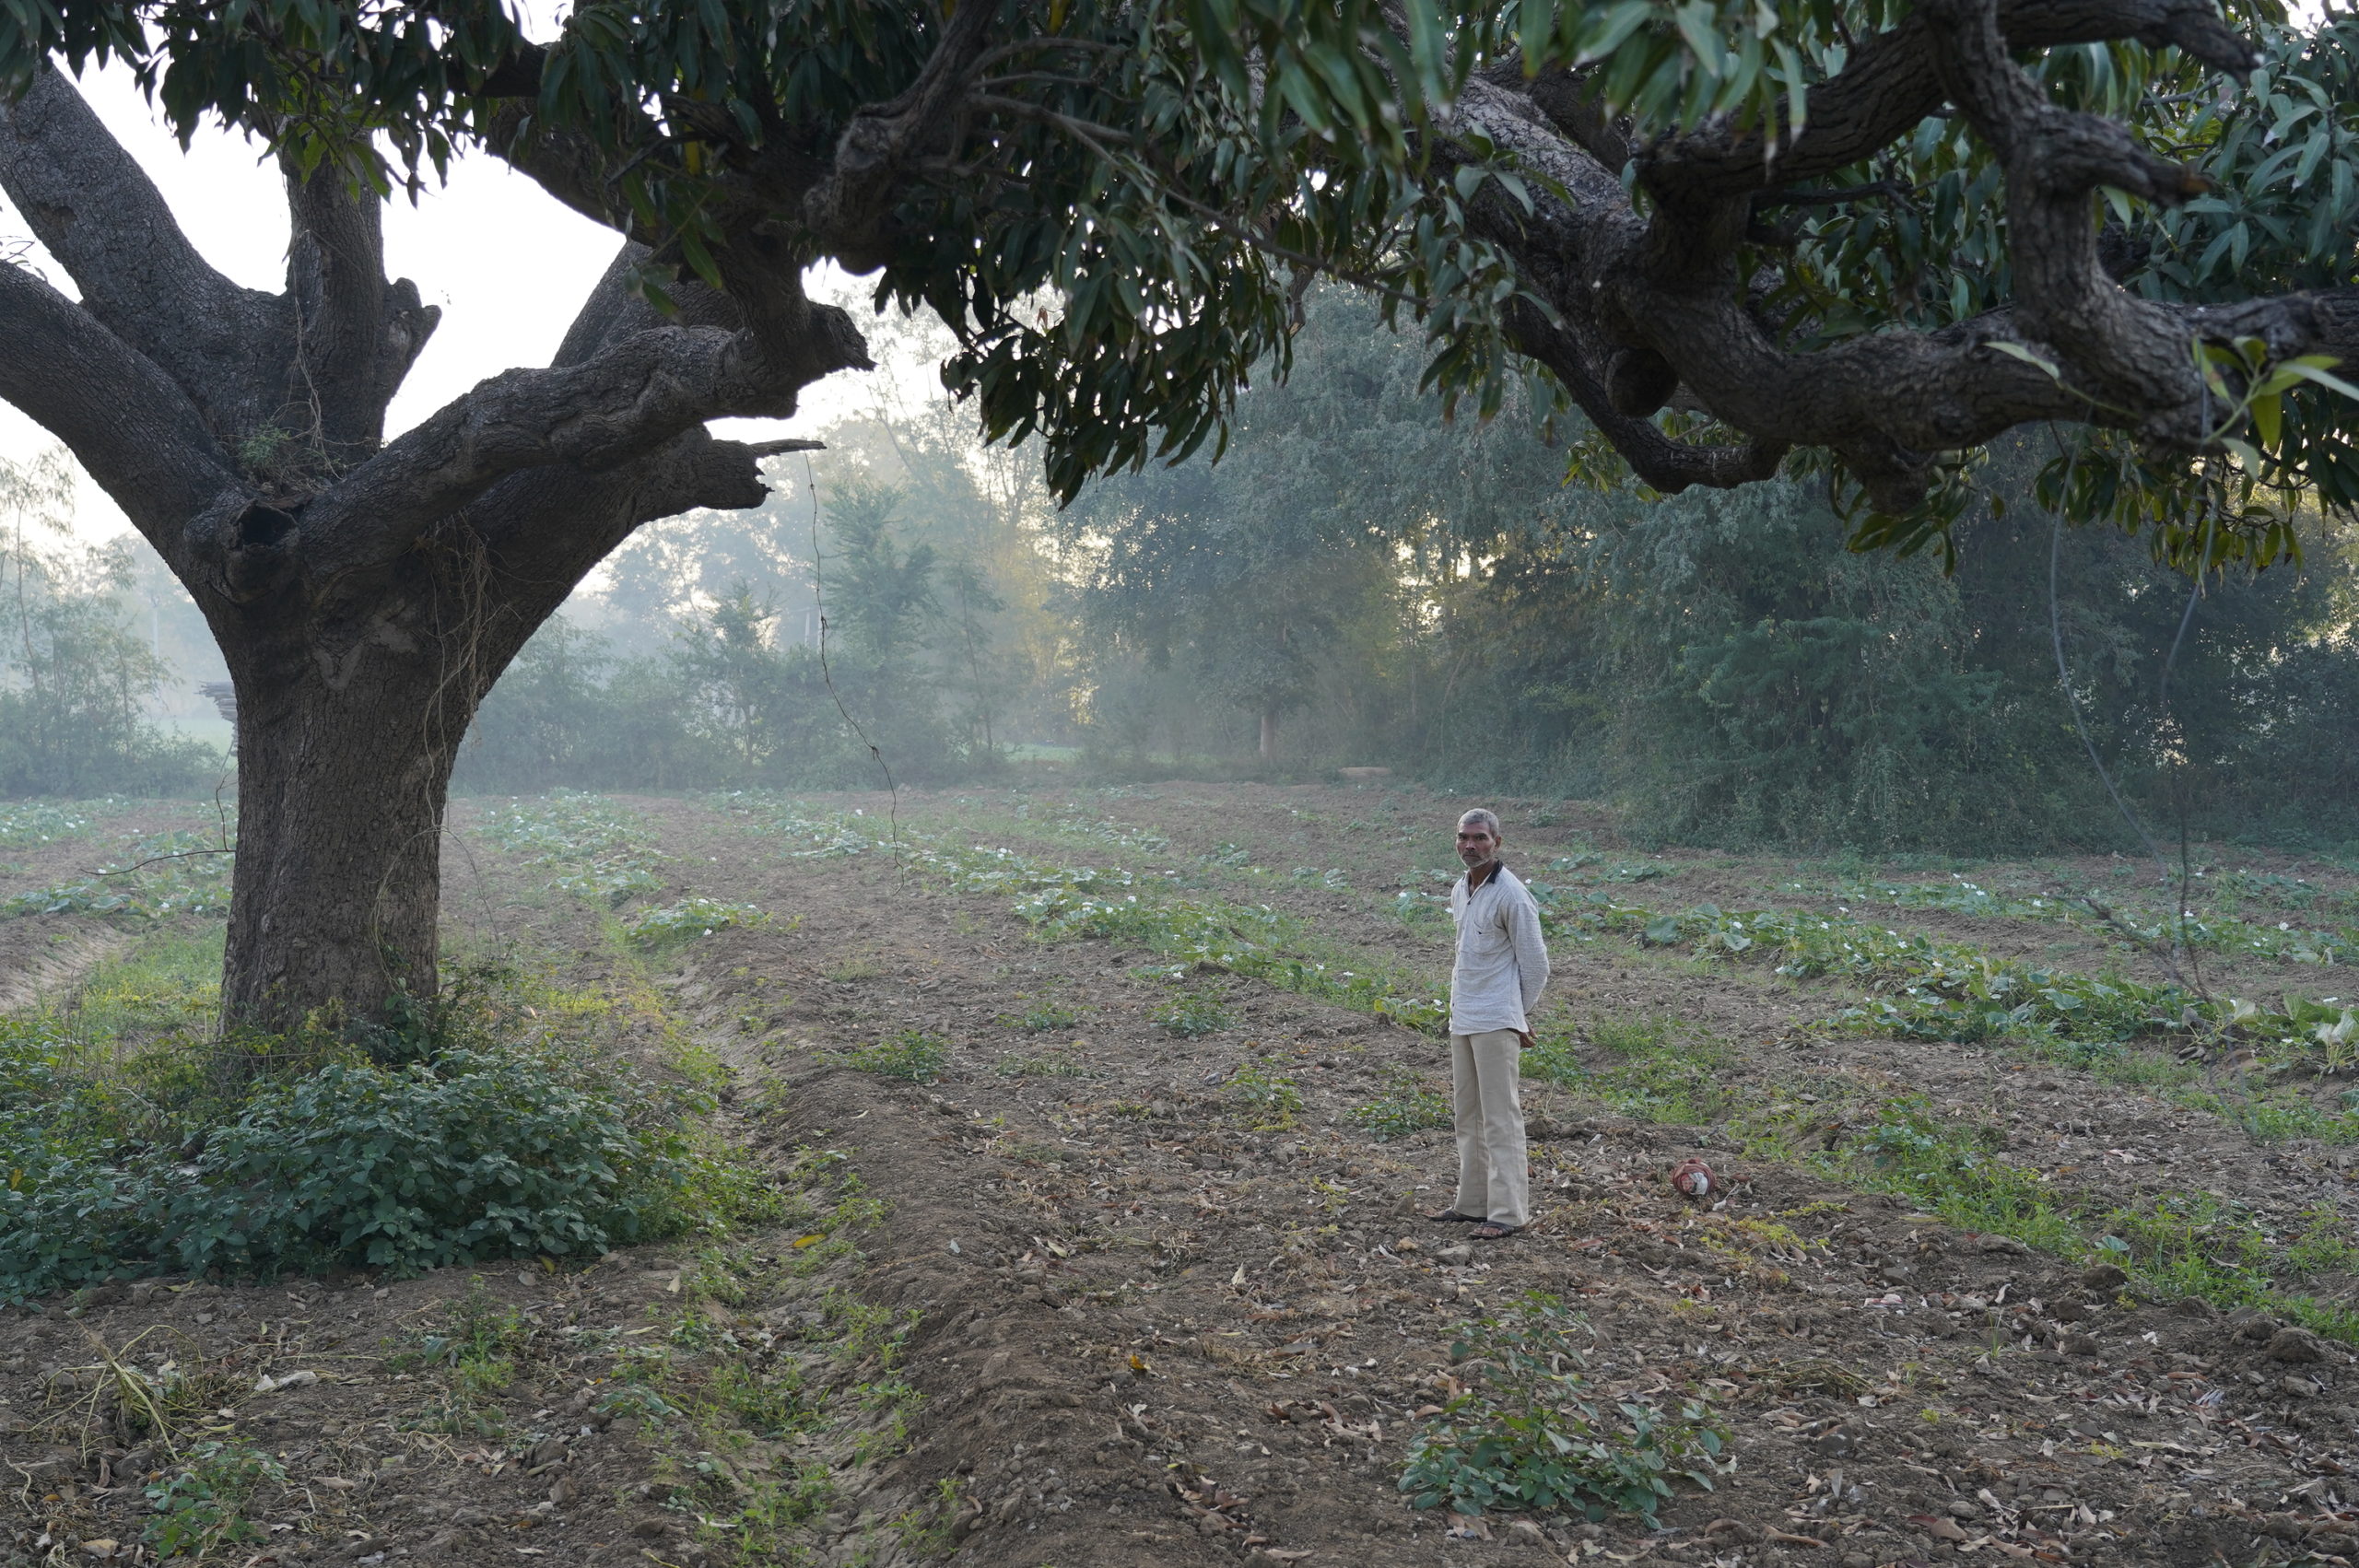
[[917, 1056], [1407, 1104], [203, 1502], [1525, 1432], [1272, 1101], [1193, 1013], [1044, 1014]]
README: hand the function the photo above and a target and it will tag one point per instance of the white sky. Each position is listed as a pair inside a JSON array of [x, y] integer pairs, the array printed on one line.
[[508, 265]]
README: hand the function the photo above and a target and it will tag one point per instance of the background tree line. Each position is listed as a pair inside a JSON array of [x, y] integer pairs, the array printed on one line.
[[80, 669], [1357, 580]]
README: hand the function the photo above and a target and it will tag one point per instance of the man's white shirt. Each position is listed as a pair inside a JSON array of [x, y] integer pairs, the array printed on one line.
[[1502, 963]]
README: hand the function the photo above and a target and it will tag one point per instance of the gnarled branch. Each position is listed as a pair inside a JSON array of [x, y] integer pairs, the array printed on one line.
[[356, 334], [95, 210], [1641, 307], [138, 435]]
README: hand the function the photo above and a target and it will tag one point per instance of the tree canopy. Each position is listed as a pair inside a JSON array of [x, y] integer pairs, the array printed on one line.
[[1860, 232]]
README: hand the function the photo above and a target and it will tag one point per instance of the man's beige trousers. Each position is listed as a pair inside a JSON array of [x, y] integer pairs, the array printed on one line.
[[1494, 1183]]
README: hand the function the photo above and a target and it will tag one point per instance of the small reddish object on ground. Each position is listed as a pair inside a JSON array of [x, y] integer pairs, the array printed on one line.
[[1694, 1179]]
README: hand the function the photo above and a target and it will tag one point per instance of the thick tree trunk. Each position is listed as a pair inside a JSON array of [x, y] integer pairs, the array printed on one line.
[[1269, 735], [367, 592], [341, 795]]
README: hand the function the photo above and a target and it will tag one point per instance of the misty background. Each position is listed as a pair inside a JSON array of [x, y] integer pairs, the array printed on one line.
[[1358, 581]]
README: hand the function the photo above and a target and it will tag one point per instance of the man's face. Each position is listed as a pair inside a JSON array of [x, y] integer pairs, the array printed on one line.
[[1477, 845]]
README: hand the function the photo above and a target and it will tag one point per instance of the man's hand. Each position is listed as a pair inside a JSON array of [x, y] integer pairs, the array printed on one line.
[[1525, 1035]]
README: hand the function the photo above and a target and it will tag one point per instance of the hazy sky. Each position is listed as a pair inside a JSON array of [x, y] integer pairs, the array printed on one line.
[[507, 263]]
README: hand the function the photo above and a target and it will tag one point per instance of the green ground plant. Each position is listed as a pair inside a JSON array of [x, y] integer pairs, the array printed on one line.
[[1922, 989], [1193, 1013], [1525, 1432], [1044, 1014], [203, 1503], [138, 1141], [1408, 1104], [689, 919], [2180, 1245], [24, 825], [1272, 1101], [477, 1346], [158, 876], [1066, 903], [595, 849], [1656, 1069], [916, 1055]]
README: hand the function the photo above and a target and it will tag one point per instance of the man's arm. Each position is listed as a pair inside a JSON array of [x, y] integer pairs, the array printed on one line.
[[1531, 951]]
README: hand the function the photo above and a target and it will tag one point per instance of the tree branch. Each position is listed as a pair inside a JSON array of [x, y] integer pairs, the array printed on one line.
[[2054, 161], [137, 433], [1641, 307], [542, 531], [850, 209], [98, 213], [356, 334], [1655, 458], [597, 416], [1892, 81]]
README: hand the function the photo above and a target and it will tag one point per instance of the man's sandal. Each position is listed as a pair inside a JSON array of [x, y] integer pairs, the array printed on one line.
[[1453, 1217], [1488, 1231]]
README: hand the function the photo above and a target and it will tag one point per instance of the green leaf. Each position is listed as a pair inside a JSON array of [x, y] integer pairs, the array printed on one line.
[[2313, 368], [2268, 412], [2017, 351]]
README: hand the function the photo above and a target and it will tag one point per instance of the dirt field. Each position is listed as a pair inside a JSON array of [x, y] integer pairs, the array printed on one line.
[[1107, 1249]]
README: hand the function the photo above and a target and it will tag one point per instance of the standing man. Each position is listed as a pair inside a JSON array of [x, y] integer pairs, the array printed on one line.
[[1501, 968]]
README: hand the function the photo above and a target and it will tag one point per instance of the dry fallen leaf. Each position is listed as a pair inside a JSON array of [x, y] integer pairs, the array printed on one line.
[[1937, 1527]]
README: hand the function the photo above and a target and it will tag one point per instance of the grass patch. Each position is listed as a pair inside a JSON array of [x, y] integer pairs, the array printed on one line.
[[1408, 1104], [1057, 1061], [167, 985], [1191, 1014], [917, 1056], [772, 1386], [1522, 1429]]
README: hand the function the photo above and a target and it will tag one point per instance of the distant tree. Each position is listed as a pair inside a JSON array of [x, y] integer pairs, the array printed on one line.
[[1251, 573], [881, 597], [75, 677], [540, 727]]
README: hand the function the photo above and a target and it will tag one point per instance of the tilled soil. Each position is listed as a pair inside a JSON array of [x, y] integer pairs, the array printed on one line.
[[1156, 1324]]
